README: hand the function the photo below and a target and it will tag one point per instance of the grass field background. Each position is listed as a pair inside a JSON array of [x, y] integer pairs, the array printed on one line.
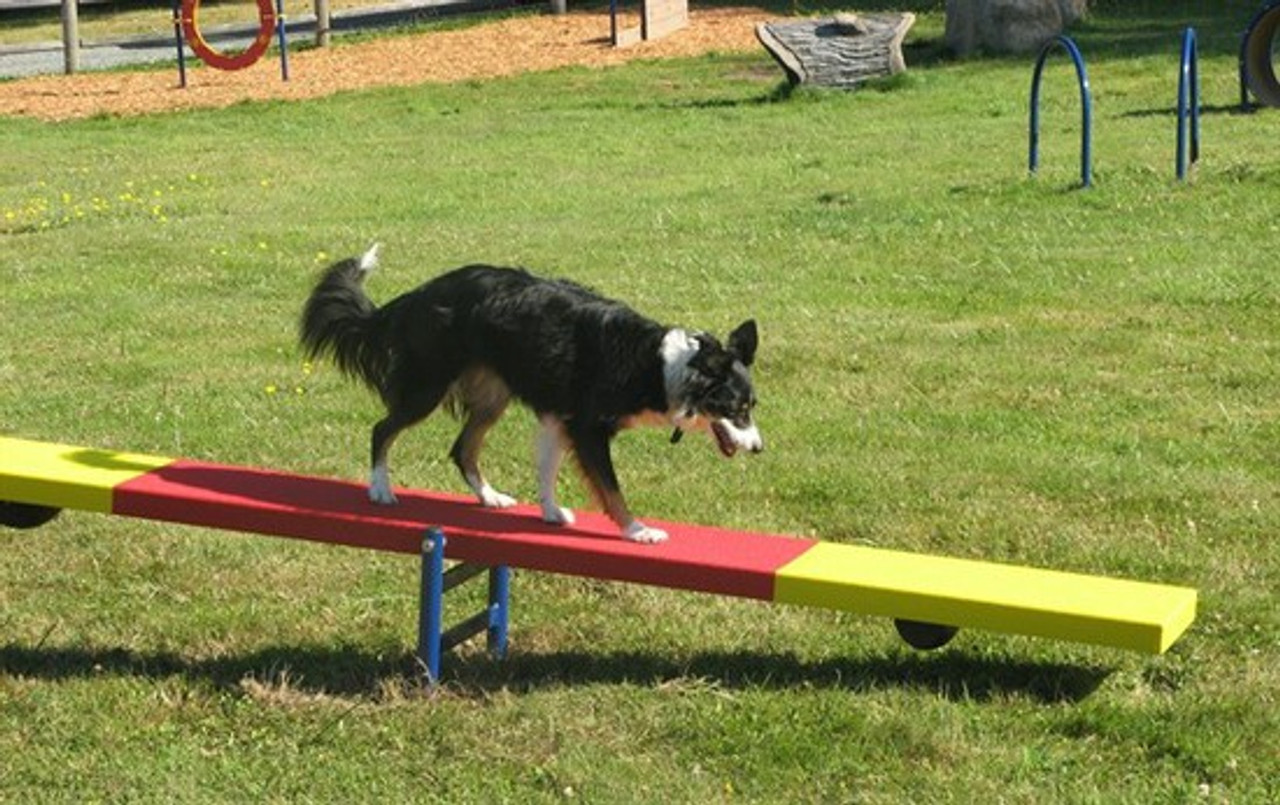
[[955, 358]]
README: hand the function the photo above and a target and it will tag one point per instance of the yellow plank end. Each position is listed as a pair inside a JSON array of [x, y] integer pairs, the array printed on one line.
[[1005, 598], [67, 477]]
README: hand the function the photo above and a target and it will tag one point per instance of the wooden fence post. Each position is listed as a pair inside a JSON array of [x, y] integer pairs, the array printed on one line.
[[70, 36], [322, 23]]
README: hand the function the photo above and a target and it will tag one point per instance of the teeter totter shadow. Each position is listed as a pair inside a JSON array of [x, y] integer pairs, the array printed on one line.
[[929, 597]]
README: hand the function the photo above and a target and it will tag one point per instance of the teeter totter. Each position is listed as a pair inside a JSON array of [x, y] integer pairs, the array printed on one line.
[[929, 597]]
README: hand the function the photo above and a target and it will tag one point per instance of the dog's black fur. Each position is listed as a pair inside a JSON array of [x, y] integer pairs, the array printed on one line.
[[587, 366]]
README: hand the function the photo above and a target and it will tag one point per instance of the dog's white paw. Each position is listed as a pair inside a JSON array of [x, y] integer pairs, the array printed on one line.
[[639, 532], [380, 486], [557, 515], [491, 498]]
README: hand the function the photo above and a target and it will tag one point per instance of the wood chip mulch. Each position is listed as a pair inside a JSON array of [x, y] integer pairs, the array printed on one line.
[[484, 51]]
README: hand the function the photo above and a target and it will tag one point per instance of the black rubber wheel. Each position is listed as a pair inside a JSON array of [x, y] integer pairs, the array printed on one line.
[[1259, 68], [924, 636], [25, 515]]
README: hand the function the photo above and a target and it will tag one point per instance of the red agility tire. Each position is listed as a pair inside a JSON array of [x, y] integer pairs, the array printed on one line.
[[215, 58]]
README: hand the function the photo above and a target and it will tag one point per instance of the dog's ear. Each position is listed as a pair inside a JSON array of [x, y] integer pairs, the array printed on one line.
[[743, 342], [709, 355]]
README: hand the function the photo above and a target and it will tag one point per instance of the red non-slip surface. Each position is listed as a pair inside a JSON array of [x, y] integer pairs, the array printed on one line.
[[699, 558]]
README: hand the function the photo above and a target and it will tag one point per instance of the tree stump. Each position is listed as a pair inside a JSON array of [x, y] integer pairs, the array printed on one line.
[[841, 51]]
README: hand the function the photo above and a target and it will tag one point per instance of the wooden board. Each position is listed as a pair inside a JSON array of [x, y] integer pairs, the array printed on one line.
[[985, 595], [67, 477], [658, 18], [662, 17], [955, 592]]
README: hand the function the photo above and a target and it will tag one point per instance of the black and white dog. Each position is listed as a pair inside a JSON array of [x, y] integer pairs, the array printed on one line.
[[587, 366]]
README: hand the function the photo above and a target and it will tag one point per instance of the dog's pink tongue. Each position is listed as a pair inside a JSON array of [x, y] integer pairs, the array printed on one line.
[[723, 440]]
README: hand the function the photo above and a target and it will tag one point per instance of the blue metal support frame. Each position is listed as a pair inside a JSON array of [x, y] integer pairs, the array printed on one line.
[[433, 640], [1188, 104], [431, 612], [284, 44], [177, 38], [1086, 109], [499, 610]]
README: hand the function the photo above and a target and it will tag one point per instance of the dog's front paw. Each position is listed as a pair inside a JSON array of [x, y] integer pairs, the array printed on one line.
[[557, 515], [639, 532]]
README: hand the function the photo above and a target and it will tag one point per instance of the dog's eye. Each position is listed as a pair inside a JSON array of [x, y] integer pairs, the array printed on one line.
[[720, 399]]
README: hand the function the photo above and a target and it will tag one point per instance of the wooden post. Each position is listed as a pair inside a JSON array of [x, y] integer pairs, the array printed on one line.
[[322, 23], [70, 36], [559, 6]]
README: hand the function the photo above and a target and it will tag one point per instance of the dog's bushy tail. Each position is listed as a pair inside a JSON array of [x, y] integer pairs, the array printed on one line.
[[340, 321]]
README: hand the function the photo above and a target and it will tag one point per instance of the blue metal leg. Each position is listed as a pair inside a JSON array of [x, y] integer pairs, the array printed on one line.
[[433, 640], [177, 37], [499, 600], [284, 44], [431, 611]]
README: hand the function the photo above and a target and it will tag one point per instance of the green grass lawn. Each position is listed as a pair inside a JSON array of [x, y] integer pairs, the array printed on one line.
[[955, 358]]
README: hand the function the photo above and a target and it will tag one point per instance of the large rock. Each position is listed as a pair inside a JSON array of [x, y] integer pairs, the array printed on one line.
[[1008, 26]]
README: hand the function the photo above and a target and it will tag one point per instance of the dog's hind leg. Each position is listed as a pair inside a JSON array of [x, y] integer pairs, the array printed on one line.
[[484, 397], [591, 445], [410, 408], [551, 446]]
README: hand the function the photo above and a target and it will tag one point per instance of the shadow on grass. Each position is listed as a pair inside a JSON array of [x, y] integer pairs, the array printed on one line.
[[360, 672], [1171, 111], [951, 674], [339, 670]]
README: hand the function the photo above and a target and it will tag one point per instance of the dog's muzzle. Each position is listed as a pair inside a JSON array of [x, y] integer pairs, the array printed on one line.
[[730, 438]]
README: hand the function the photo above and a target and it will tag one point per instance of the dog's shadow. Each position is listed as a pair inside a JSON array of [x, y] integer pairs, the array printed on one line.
[[367, 674]]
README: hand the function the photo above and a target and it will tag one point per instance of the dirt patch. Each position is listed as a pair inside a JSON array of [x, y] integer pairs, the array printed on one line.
[[485, 51]]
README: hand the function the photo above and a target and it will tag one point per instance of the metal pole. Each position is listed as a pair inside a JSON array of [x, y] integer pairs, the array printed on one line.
[[177, 38], [70, 36], [1188, 105], [499, 609], [431, 607], [284, 44], [1086, 109]]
